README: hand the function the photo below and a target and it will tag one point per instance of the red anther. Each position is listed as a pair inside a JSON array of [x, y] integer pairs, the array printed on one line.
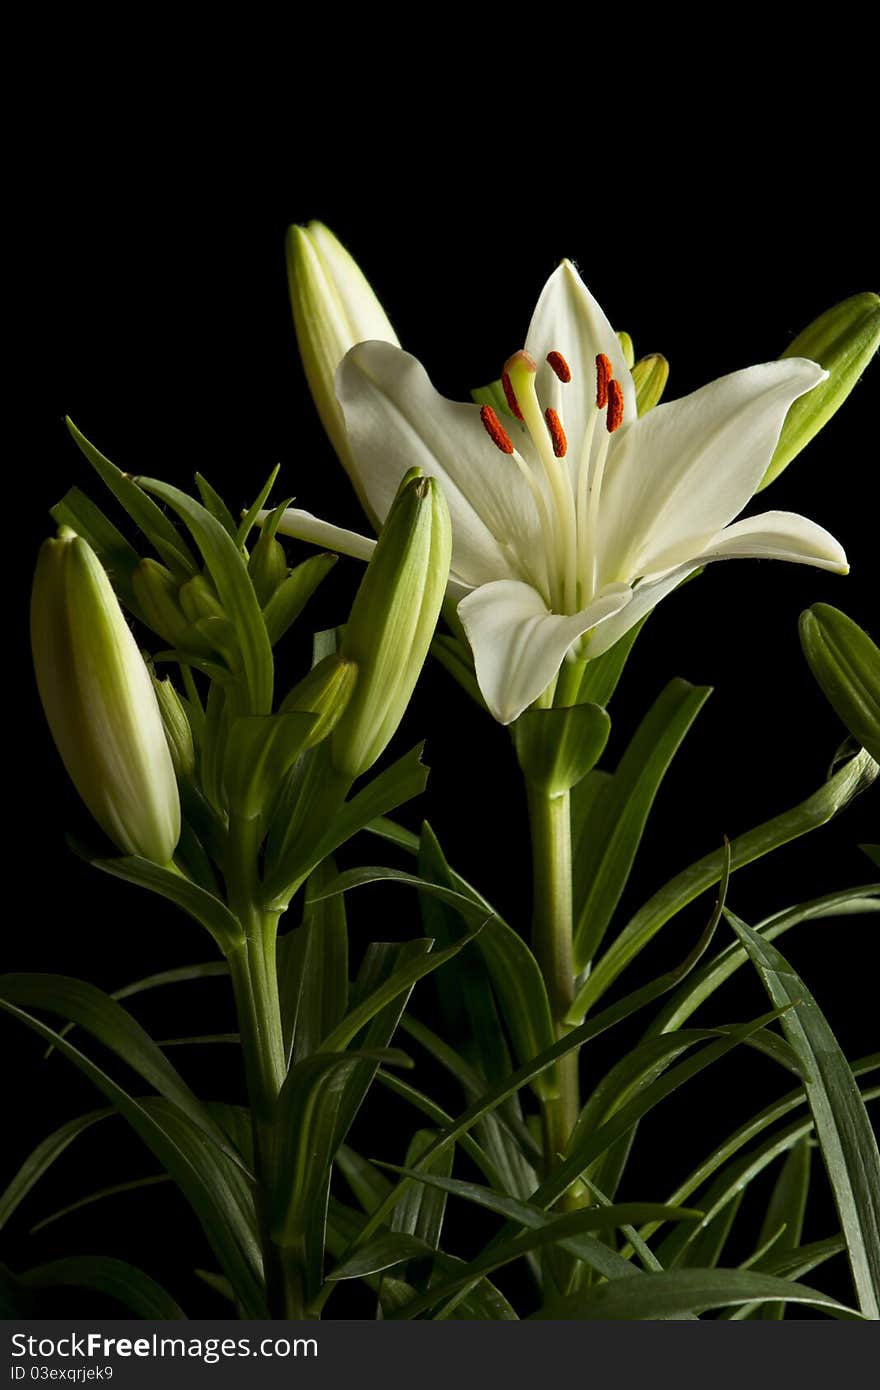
[[603, 376], [510, 395], [559, 365], [495, 430], [614, 418], [557, 433]]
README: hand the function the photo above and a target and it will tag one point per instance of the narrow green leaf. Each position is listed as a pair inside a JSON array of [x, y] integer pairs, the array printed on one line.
[[214, 503], [851, 779], [124, 1282], [194, 901], [260, 750], [213, 1185], [249, 520], [784, 1215], [385, 1252], [556, 748], [847, 1142], [116, 1190], [142, 510], [40, 1159], [610, 836], [291, 597], [315, 978], [657, 1297], [601, 676], [228, 570]]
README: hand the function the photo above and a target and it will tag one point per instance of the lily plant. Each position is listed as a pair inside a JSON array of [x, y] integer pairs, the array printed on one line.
[[572, 515]]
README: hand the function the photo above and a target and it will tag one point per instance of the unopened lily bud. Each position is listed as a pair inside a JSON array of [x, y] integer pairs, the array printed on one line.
[[392, 622], [267, 567], [650, 375], [325, 691], [333, 309], [198, 599], [99, 700], [843, 340], [626, 347], [177, 728], [846, 664], [156, 591]]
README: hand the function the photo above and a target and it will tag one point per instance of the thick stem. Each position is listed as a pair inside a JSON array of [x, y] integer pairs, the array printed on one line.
[[552, 926]]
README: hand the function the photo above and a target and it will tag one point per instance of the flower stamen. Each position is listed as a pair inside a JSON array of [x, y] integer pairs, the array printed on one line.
[[604, 374], [510, 395], [614, 418], [495, 430], [557, 433], [559, 365]]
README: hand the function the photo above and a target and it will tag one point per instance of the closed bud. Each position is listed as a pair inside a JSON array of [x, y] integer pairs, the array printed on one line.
[[157, 593], [267, 567], [846, 664], [650, 375], [843, 340], [626, 347], [392, 621], [325, 691], [333, 309], [198, 599], [177, 728], [100, 703]]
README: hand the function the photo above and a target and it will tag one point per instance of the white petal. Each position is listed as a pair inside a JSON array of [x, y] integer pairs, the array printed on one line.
[[683, 471], [778, 536], [349, 288], [311, 528], [645, 596], [396, 421], [567, 319], [519, 645]]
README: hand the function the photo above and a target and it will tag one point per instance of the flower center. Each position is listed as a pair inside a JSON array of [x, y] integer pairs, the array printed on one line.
[[566, 499]]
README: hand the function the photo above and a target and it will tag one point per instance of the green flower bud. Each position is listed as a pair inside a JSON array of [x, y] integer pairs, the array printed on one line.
[[846, 663], [325, 691], [177, 727], [650, 375], [392, 622], [156, 590], [843, 340], [198, 599], [626, 347], [267, 567], [99, 700], [333, 308]]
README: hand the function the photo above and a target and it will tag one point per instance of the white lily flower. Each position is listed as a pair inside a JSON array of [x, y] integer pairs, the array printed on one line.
[[572, 521]]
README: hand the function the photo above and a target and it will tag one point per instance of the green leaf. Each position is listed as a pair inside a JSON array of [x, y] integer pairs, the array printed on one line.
[[40, 1159], [785, 1212], [249, 520], [228, 570], [314, 974], [843, 1129], [398, 835], [556, 748], [214, 503], [455, 658], [291, 597], [385, 1252], [213, 1185], [601, 675], [105, 1019], [115, 1190], [421, 1212], [515, 973], [853, 777], [873, 853], [142, 510], [119, 559], [203, 907], [610, 836], [846, 663], [260, 751], [124, 1282], [657, 1297], [703, 982], [444, 1152]]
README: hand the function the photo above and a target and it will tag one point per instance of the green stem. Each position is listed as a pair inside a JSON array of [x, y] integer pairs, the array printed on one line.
[[552, 925], [568, 684]]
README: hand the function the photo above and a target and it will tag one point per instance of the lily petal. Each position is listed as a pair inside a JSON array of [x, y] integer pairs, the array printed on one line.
[[396, 421], [519, 645], [567, 319], [679, 474], [778, 536]]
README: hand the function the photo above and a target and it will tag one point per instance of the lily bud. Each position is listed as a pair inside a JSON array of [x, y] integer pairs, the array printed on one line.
[[843, 340], [392, 622], [99, 700], [846, 664], [267, 567], [198, 599], [325, 691], [177, 728], [333, 309], [650, 375], [157, 593]]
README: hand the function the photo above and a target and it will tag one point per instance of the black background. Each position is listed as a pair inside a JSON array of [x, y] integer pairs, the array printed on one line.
[[155, 312]]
